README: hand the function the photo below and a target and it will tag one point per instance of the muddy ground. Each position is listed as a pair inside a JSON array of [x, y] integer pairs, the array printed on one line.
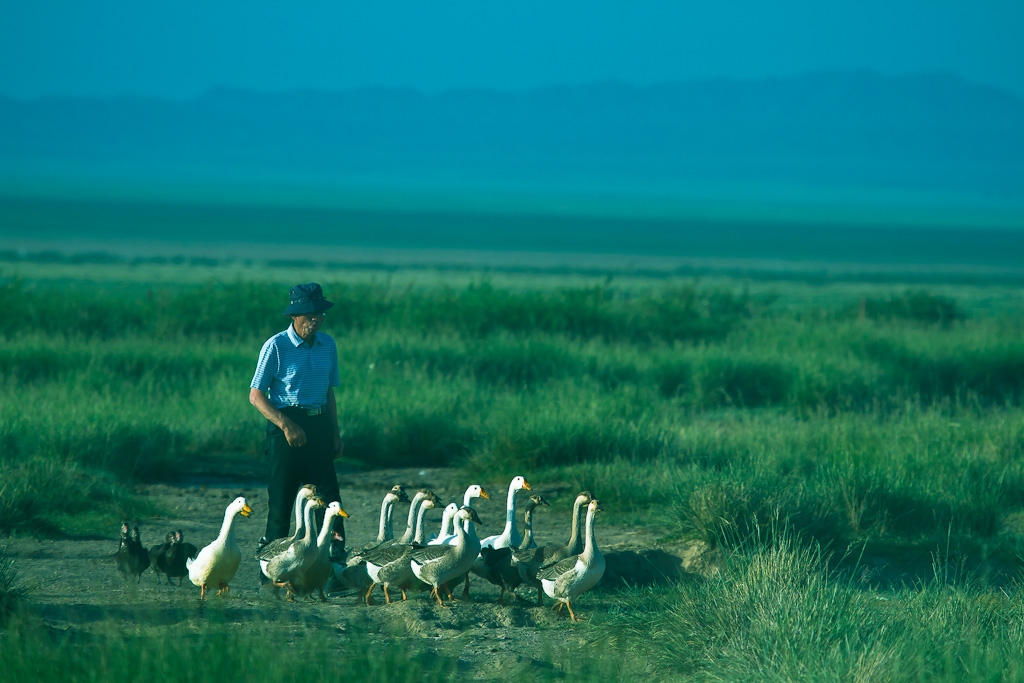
[[76, 586]]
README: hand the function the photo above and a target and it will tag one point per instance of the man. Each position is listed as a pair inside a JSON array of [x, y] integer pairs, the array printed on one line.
[[294, 389]]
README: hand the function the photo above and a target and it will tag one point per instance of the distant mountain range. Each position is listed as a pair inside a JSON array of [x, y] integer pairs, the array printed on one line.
[[931, 132]]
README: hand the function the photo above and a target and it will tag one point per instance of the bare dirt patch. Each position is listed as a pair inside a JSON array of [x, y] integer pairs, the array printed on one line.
[[75, 584]]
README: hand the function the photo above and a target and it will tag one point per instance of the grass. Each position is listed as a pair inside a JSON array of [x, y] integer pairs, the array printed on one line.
[[816, 434]]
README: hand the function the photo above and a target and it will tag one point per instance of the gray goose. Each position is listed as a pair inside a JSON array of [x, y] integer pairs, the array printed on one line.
[[528, 561], [298, 555], [315, 577], [437, 565], [564, 581], [391, 567], [306, 492], [354, 572]]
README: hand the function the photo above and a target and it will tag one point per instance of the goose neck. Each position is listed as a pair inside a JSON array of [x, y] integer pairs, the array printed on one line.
[[574, 533], [384, 527], [417, 537], [309, 522], [590, 540], [413, 510], [227, 529]]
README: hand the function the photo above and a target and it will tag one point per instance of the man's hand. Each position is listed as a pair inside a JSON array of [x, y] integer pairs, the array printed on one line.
[[295, 434]]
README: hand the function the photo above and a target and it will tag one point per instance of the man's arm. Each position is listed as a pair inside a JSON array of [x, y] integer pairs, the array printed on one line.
[[332, 415], [294, 433]]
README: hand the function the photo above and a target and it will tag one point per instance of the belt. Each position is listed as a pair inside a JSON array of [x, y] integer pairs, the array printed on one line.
[[318, 410]]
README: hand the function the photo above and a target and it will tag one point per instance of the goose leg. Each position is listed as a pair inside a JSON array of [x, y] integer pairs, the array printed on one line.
[[202, 592], [572, 615], [387, 597], [437, 592], [465, 588], [403, 593], [369, 594]]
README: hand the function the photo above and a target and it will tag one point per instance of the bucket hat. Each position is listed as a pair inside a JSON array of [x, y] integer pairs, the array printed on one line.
[[306, 299]]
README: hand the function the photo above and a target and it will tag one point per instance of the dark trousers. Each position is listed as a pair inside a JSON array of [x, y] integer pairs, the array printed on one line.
[[290, 468]]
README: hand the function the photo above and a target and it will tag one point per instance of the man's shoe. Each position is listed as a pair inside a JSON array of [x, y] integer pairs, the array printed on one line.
[[264, 579]]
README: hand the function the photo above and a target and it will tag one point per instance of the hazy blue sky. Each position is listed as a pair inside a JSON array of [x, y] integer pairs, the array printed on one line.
[[182, 48]]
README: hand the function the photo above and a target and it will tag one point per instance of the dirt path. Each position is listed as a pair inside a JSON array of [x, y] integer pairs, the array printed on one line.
[[76, 585]]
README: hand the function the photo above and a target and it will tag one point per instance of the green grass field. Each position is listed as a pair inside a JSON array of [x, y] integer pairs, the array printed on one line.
[[815, 430]]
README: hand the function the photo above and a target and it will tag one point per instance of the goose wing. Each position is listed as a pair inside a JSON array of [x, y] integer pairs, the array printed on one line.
[[552, 571], [430, 553]]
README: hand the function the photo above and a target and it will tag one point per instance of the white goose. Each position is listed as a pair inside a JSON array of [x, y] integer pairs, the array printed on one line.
[[447, 524], [314, 578], [499, 564], [564, 581], [216, 564], [510, 536], [473, 492], [437, 565]]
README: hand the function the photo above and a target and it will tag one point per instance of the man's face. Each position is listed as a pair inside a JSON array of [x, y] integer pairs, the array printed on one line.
[[306, 326]]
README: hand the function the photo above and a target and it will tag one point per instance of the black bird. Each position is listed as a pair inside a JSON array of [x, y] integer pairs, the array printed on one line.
[[131, 558], [138, 557], [123, 556], [173, 560], [157, 556]]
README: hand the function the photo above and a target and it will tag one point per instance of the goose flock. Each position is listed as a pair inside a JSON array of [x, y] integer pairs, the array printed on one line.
[[300, 563]]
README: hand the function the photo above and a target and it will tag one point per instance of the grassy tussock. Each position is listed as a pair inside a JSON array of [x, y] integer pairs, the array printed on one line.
[[777, 611], [13, 590]]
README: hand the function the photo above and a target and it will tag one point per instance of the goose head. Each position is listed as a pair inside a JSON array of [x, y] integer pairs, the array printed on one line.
[[450, 510], [335, 510], [519, 483], [398, 494], [468, 514], [239, 507], [536, 500], [477, 491]]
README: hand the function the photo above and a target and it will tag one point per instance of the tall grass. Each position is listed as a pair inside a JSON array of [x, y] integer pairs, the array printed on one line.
[[778, 611]]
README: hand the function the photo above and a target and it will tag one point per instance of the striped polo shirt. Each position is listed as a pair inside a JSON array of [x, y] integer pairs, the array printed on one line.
[[293, 373]]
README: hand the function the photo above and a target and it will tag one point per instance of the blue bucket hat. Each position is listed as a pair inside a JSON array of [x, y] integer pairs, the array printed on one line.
[[306, 299]]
